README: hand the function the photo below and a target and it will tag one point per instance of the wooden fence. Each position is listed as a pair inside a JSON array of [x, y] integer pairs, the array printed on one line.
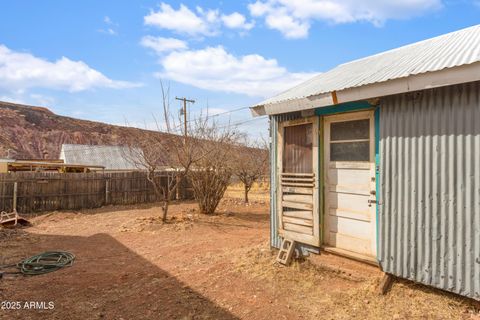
[[45, 191]]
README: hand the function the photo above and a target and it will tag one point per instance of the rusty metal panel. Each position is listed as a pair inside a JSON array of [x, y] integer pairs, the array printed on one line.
[[429, 217]]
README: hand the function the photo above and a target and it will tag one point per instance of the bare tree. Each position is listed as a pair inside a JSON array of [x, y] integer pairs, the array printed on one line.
[[166, 157], [149, 153], [205, 157], [251, 164]]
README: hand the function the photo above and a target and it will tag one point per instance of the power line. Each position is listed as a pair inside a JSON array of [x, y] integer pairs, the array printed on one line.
[[230, 111], [233, 124], [209, 116], [96, 147], [241, 122]]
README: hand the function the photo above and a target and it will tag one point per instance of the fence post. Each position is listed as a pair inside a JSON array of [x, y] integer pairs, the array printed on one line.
[[15, 189], [107, 191], [178, 196]]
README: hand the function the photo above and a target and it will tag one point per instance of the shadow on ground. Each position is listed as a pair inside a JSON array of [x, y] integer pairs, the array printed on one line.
[[107, 281]]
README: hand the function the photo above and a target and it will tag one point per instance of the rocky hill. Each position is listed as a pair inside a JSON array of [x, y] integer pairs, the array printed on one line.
[[28, 132]]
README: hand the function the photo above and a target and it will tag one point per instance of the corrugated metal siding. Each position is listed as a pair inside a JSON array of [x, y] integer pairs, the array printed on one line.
[[446, 51], [430, 188]]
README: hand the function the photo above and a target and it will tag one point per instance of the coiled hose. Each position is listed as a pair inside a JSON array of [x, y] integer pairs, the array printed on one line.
[[44, 263]]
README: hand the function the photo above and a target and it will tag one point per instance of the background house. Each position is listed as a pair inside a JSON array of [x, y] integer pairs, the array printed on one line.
[[112, 158], [41, 165]]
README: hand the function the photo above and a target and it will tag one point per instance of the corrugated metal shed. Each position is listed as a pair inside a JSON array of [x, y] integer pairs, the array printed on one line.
[[443, 52], [429, 219], [111, 157]]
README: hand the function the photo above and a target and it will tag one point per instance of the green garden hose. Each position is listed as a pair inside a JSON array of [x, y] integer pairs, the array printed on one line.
[[45, 262]]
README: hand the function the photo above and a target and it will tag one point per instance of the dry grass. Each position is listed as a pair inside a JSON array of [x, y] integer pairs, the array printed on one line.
[[259, 191], [180, 222], [327, 292]]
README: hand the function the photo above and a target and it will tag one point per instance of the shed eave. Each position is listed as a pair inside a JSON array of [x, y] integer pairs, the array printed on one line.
[[445, 77]]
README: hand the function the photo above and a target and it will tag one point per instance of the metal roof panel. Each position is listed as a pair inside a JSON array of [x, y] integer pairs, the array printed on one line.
[[446, 51]]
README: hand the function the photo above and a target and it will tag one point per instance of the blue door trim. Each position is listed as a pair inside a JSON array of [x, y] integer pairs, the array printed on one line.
[[343, 107]]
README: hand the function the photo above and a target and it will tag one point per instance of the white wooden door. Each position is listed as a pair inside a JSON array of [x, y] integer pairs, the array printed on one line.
[[297, 188], [350, 219]]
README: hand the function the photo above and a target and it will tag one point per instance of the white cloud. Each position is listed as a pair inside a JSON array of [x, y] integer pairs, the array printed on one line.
[[236, 21], [183, 20], [160, 45], [20, 71], [108, 31], [111, 26], [107, 20], [198, 22], [29, 99], [293, 18], [213, 68], [290, 27], [13, 99], [42, 99]]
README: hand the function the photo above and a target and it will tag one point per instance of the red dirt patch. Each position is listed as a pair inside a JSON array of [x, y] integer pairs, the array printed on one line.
[[130, 265]]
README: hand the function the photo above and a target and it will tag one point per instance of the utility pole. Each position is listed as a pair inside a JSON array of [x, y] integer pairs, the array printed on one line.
[[185, 100]]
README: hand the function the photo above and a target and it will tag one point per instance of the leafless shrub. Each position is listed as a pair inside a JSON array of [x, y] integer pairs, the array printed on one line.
[[214, 167], [206, 157]]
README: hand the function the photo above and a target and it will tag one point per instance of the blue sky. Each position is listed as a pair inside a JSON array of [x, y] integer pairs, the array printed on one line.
[[103, 60]]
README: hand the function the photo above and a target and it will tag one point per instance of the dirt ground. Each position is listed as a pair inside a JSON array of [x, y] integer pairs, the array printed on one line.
[[131, 266]]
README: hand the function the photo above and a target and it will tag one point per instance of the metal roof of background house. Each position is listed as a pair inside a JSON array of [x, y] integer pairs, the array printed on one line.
[[446, 51], [111, 157]]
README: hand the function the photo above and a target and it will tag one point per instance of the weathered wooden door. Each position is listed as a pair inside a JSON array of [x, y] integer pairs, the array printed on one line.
[[297, 190], [350, 221]]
